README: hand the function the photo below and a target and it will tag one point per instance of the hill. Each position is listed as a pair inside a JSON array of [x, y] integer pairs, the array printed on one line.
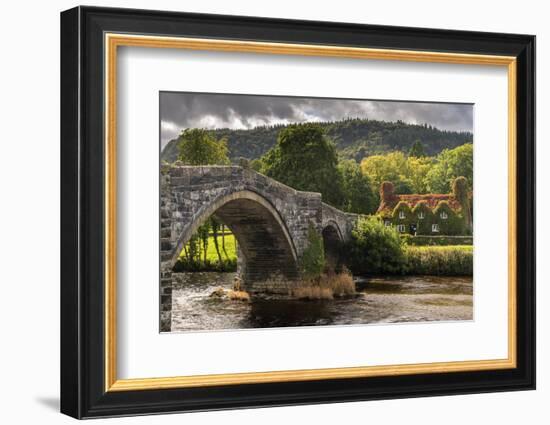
[[354, 139]]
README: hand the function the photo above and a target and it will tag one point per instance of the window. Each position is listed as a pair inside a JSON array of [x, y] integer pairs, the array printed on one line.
[[401, 215], [421, 215], [401, 228], [435, 227], [443, 215], [387, 223]]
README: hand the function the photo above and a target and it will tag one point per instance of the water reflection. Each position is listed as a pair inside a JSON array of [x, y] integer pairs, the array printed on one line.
[[379, 300]]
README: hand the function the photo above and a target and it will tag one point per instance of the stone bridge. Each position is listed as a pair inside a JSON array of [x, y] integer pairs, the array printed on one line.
[[269, 220]]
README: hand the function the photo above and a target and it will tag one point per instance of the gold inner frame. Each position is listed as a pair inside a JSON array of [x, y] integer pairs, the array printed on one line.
[[113, 41]]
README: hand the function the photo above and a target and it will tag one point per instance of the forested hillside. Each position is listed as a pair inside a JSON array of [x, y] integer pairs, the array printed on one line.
[[354, 139]]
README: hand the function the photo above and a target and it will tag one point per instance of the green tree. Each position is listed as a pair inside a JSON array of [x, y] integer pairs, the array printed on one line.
[[408, 174], [449, 165], [417, 170], [359, 196], [392, 167], [380, 168], [197, 146], [215, 226], [203, 232], [375, 248], [417, 149], [305, 159], [257, 164], [404, 186]]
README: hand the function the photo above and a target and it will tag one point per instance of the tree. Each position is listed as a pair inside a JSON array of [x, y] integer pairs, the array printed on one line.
[[354, 139], [389, 167], [392, 167], [404, 186], [215, 226], [305, 159], [257, 164], [358, 192], [408, 174], [417, 149], [449, 165], [203, 233], [197, 146], [417, 170]]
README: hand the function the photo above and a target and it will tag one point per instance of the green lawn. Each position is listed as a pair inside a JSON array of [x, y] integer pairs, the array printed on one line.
[[230, 248]]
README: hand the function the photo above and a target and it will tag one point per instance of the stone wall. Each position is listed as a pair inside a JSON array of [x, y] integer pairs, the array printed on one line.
[[341, 220], [189, 194]]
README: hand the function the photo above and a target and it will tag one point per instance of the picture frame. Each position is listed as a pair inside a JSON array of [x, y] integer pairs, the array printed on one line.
[[90, 40]]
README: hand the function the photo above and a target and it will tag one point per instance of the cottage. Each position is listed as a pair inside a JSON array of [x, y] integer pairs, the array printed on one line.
[[428, 214]]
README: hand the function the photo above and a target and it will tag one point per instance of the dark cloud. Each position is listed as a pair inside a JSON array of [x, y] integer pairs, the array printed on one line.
[[187, 110]]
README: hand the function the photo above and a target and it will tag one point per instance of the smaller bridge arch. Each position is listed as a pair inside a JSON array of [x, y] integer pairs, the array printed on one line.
[[333, 240]]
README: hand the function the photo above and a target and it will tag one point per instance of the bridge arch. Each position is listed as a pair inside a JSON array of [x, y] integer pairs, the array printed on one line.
[[264, 241], [332, 240]]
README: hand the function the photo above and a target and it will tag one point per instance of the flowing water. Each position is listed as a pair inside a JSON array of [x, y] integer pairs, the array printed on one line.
[[379, 300]]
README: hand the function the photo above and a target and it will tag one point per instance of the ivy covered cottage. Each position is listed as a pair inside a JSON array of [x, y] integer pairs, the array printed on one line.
[[428, 214]]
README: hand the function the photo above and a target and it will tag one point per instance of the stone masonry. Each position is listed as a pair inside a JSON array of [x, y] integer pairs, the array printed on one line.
[[269, 219]]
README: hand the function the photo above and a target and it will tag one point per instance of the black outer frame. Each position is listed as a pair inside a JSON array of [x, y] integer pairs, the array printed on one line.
[[82, 207]]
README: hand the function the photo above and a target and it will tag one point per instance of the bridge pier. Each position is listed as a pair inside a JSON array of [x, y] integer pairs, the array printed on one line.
[[270, 282]]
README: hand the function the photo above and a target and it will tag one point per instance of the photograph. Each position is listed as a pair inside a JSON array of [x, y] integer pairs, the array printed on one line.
[[280, 211]]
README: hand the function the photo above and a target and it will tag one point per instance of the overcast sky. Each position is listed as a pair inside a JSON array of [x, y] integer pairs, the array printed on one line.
[[179, 111]]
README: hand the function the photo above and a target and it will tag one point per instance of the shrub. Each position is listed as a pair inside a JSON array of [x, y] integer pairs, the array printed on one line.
[[313, 258], [375, 248]]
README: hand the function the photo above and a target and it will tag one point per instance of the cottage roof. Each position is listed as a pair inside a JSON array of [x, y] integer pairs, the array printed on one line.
[[389, 199], [431, 199]]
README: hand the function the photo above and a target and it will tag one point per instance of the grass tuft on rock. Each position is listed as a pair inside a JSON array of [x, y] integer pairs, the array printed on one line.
[[326, 287]]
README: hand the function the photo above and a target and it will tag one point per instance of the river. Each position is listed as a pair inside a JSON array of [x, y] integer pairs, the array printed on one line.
[[380, 300]]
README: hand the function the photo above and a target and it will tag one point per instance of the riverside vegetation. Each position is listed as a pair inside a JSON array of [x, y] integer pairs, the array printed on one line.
[[374, 249], [378, 249], [319, 280], [305, 157]]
